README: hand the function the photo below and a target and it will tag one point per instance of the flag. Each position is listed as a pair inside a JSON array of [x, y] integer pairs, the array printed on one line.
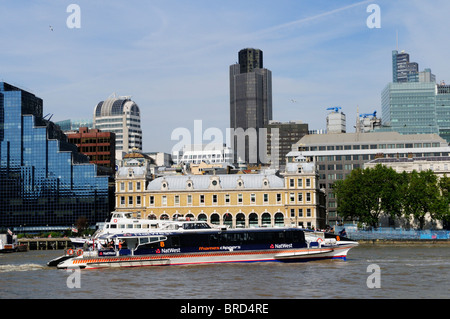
[[74, 230], [10, 232]]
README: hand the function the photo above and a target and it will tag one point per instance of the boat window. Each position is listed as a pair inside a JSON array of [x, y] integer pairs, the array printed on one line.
[[113, 226], [145, 225], [129, 225], [121, 225], [137, 225]]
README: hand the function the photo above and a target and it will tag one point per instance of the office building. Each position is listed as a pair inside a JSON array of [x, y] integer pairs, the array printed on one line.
[[208, 153], [417, 108], [410, 108], [336, 155], [120, 115], [443, 110], [98, 146], [280, 137], [250, 105], [336, 121], [44, 181], [413, 103], [402, 69], [72, 125]]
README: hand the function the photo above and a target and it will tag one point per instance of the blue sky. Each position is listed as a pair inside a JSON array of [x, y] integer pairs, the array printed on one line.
[[173, 57]]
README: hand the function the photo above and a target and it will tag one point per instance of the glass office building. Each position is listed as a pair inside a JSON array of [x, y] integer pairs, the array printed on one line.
[[410, 108], [44, 181], [416, 108], [250, 103]]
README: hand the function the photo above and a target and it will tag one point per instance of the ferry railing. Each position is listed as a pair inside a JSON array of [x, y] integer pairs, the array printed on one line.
[[385, 233]]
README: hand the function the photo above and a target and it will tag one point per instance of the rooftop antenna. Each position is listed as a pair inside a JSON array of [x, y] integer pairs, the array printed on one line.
[[396, 31]]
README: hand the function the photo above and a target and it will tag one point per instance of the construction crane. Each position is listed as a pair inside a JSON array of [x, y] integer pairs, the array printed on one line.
[[335, 108], [374, 114]]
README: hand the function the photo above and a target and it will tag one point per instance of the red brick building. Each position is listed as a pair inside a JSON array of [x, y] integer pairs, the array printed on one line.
[[98, 146]]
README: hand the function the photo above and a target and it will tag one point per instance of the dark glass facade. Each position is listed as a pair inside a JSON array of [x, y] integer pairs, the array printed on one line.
[[44, 181], [250, 100]]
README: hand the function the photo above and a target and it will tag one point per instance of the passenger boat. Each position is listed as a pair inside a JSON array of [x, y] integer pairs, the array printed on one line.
[[119, 223], [196, 242]]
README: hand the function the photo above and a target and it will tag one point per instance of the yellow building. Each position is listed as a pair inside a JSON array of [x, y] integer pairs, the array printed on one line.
[[237, 200]]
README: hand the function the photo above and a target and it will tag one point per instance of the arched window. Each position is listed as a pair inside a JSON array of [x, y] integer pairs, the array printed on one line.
[[202, 217], [240, 220], [228, 219], [253, 220], [151, 217], [266, 220], [279, 219], [190, 216], [164, 217], [215, 219]]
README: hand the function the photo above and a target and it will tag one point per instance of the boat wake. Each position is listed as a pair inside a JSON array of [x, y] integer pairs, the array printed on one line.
[[22, 267]]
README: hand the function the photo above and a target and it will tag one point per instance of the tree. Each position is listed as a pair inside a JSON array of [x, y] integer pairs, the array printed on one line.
[[422, 196], [81, 224], [365, 194]]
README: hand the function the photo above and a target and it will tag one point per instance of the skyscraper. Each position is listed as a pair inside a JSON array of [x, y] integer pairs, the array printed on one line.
[[402, 69], [250, 104], [120, 115], [43, 179], [413, 103]]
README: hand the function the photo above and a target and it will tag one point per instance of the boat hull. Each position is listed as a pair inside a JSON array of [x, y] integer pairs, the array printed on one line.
[[267, 255]]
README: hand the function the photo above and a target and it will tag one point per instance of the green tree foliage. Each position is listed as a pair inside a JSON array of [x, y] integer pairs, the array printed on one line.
[[365, 194]]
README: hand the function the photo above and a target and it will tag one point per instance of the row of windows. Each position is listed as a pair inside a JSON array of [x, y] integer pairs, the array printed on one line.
[[243, 220], [368, 146], [366, 157], [130, 186], [294, 198], [299, 183]]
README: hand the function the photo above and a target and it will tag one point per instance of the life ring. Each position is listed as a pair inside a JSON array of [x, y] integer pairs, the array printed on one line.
[[115, 220], [70, 252], [79, 252], [319, 240]]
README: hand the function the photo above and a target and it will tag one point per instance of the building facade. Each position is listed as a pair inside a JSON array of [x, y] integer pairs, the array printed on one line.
[[440, 165], [402, 69], [280, 137], [72, 125], [120, 115], [250, 104], [98, 146], [413, 103], [44, 181], [207, 153], [237, 200], [336, 155], [336, 122], [417, 108]]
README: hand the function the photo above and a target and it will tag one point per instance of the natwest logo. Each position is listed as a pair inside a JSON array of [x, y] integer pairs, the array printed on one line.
[[272, 246]]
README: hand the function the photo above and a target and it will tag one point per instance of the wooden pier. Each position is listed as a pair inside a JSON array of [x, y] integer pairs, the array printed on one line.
[[45, 243]]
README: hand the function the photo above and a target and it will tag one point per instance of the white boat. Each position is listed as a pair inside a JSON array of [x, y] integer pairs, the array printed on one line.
[[8, 243], [196, 242], [119, 223]]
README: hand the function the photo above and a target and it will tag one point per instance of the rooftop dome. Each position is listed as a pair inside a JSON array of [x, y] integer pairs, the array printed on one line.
[[116, 106]]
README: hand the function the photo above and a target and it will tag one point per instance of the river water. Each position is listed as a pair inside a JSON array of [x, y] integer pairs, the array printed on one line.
[[405, 271]]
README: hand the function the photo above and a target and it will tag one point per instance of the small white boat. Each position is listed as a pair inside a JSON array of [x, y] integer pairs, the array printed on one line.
[[196, 242], [8, 243]]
